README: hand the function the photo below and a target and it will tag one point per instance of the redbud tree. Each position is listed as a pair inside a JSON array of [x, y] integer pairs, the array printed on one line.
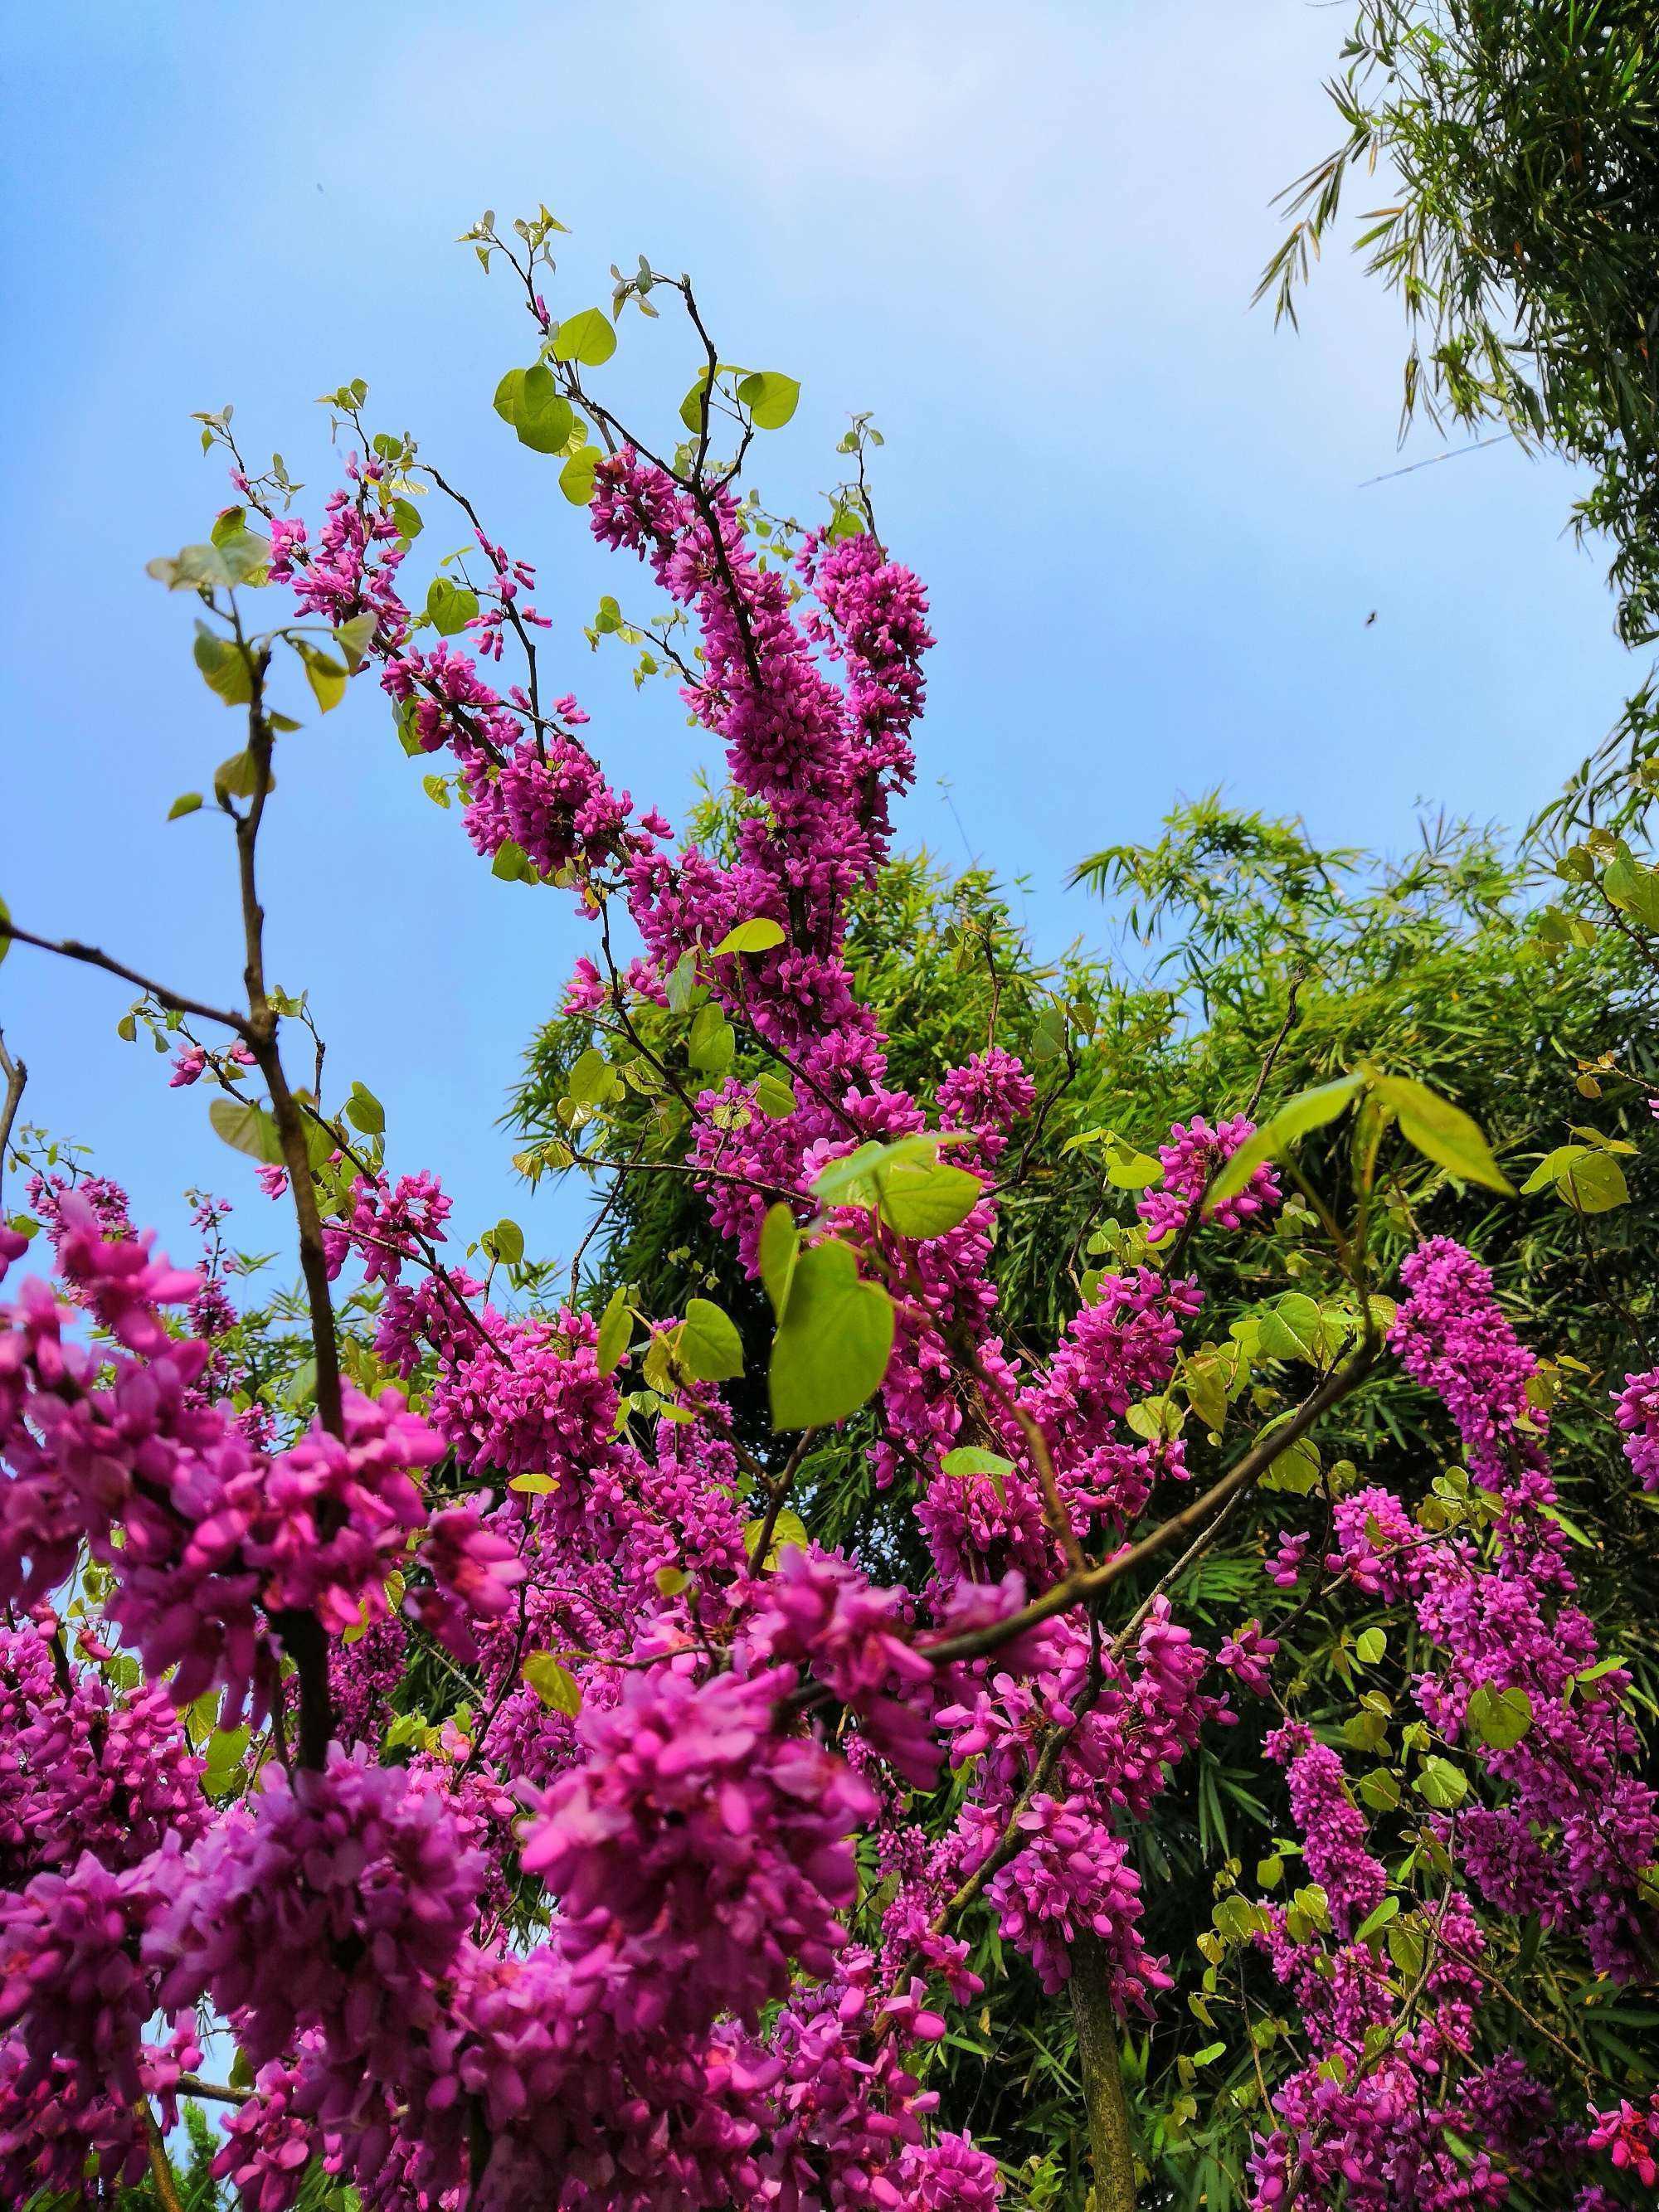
[[437, 1733]]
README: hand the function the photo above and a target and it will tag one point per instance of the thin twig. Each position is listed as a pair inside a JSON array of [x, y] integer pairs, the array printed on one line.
[[301, 1631], [16, 1074], [696, 1168], [1434, 460], [777, 1491], [591, 1232], [70, 948], [1275, 1047]]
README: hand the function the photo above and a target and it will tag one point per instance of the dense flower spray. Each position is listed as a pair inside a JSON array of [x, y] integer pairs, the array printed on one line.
[[606, 1935]]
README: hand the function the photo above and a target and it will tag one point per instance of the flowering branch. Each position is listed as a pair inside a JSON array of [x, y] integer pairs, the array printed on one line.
[[1090, 1583]]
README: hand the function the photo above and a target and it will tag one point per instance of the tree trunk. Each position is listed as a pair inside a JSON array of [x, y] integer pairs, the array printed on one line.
[[1103, 2078]]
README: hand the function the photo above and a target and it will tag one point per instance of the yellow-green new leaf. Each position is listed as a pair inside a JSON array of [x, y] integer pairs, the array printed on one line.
[[576, 477], [505, 1243], [775, 1098], [555, 1685], [450, 606], [326, 675], [969, 1460], [923, 1199], [710, 1348], [832, 1346], [248, 1128], [225, 667], [355, 637], [1633, 888], [780, 1245], [918, 1196], [1442, 1784], [850, 1181], [1127, 1168], [585, 336], [1499, 1718], [789, 1528], [616, 1332], [529, 399], [758, 934], [1309, 1109], [769, 397], [1442, 1132], [1585, 1177], [1375, 1923]]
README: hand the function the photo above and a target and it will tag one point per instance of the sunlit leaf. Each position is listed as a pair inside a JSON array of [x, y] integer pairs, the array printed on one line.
[[1442, 1132], [758, 934], [709, 1346], [1499, 1718], [1309, 1109], [616, 1331], [770, 398], [247, 1129], [585, 336], [553, 1683], [832, 1344]]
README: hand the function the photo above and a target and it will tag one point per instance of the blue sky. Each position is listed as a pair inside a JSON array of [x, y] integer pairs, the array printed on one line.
[[1026, 239]]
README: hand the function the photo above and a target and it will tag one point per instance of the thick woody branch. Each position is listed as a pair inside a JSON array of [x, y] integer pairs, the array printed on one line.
[[160, 2170], [217, 2092], [301, 1633], [1101, 2066], [260, 1030], [1080, 1588]]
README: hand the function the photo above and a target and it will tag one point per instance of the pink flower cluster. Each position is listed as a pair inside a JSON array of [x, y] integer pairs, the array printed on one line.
[[719, 1850], [337, 1902], [1333, 1827], [1192, 1159], [1630, 2136], [386, 1225], [1352, 2122], [82, 1768], [75, 1999], [823, 1613], [1568, 1840], [1072, 1878], [209, 1540], [1637, 1410], [1572, 1776], [689, 2029]]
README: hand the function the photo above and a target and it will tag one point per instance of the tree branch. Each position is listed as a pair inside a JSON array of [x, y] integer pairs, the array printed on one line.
[[1078, 1588], [159, 2168], [70, 948], [301, 1632], [16, 1074], [217, 2092], [1100, 2065]]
